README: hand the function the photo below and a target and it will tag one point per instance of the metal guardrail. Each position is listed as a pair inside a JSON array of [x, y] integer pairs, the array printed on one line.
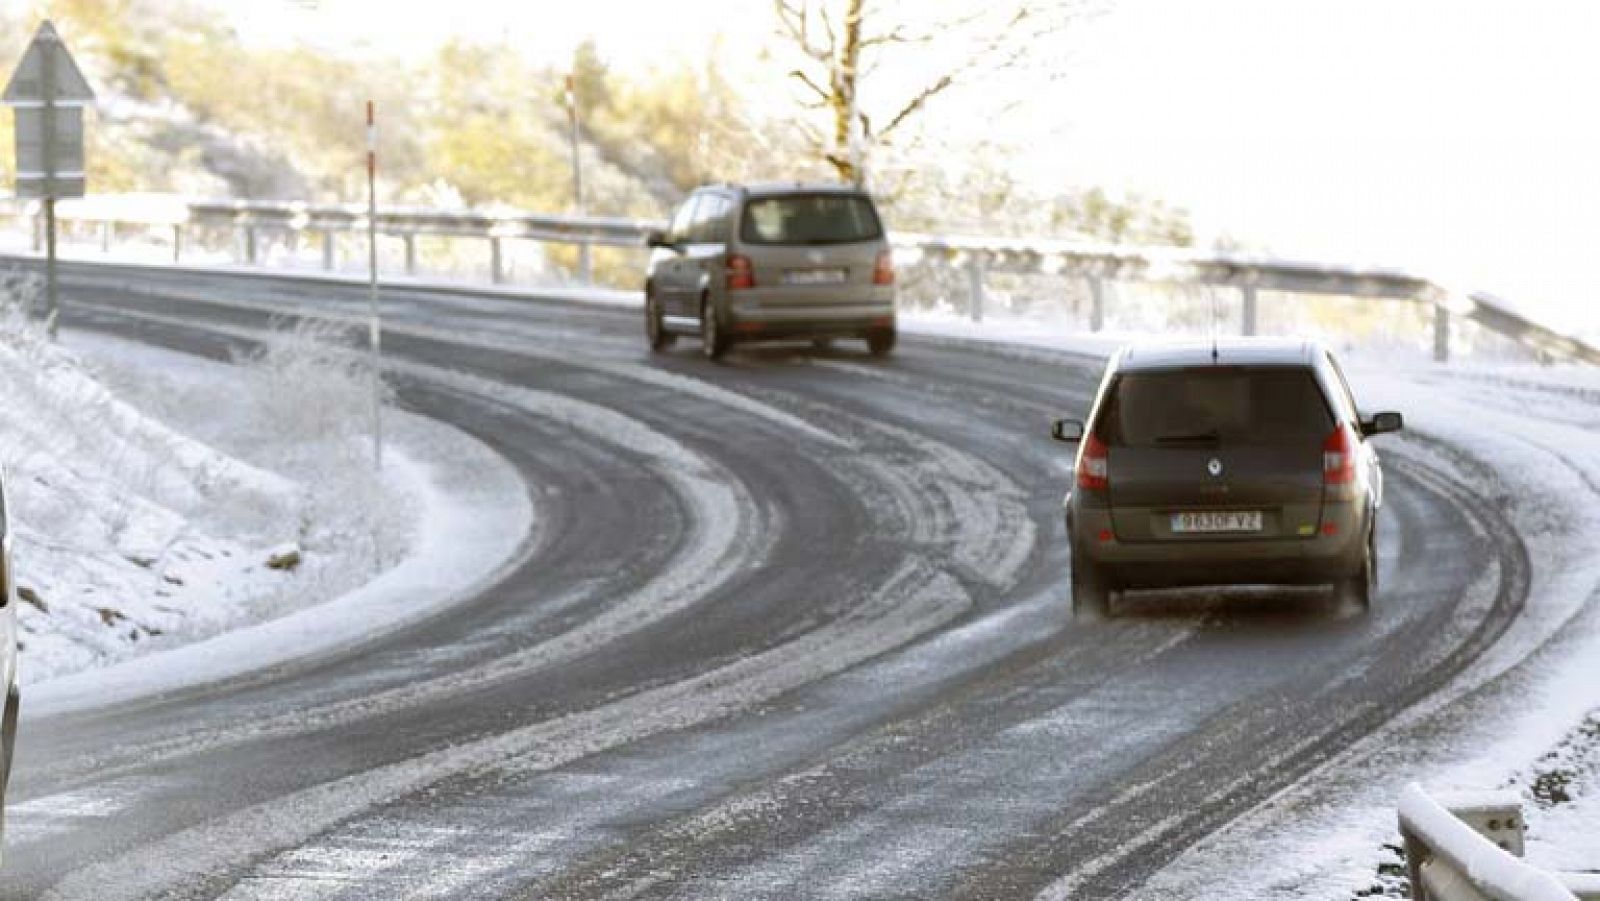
[[1469, 848], [1096, 264]]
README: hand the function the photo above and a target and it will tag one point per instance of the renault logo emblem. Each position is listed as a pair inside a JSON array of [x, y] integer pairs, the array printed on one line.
[[1214, 467]]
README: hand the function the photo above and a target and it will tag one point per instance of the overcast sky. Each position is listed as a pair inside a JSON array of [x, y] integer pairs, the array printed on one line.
[[1448, 136]]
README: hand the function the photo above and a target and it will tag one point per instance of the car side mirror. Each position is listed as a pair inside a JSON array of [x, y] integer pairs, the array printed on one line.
[[1381, 423], [656, 238], [1068, 430]]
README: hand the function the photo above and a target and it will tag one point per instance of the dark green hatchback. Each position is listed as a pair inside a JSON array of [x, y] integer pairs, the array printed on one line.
[[1233, 462]]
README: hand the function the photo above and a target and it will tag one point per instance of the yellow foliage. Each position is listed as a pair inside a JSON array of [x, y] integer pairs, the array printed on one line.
[[492, 159]]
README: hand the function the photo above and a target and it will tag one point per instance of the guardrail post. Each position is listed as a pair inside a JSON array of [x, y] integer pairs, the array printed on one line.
[[1441, 334], [497, 272], [177, 243], [327, 250], [1416, 855], [107, 228], [411, 252], [249, 245], [1248, 326], [975, 287], [1097, 305], [585, 264]]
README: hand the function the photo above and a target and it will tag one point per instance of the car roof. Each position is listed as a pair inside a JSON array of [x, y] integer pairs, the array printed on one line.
[[771, 188], [1165, 355]]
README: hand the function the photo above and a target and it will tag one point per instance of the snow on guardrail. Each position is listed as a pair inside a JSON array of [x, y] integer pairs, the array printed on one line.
[[1450, 860]]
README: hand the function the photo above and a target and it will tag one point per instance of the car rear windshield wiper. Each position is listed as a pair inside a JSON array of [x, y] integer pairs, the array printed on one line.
[[1210, 437]]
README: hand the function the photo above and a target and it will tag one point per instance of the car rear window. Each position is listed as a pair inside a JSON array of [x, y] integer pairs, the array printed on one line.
[[1212, 405], [810, 219]]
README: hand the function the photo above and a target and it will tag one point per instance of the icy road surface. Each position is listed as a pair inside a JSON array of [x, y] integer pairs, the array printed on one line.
[[793, 626]]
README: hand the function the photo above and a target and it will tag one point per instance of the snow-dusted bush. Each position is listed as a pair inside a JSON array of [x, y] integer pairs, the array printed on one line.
[[314, 387], [151, 493], [309, 417]]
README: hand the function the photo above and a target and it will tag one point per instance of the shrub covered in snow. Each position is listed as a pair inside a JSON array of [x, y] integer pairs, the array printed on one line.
[[146, 504]]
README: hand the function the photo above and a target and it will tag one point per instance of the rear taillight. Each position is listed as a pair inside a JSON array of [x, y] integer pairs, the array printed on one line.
[[1094, 464], [741, 274], [883, 270], [1339, 457]]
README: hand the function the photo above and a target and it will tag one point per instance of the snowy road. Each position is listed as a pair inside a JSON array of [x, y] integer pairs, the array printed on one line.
[[792, 626]]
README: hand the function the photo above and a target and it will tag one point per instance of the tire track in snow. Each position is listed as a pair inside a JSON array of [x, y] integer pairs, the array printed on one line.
[[539, 344], [948, 502], [976, 547], [731, 536], [916, 600]]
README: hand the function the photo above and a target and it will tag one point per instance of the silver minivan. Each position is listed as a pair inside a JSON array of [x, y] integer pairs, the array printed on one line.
[[771, 262]]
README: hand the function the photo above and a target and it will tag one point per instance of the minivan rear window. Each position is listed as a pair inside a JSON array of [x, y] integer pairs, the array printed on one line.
[[1215, 405], [810, 219]]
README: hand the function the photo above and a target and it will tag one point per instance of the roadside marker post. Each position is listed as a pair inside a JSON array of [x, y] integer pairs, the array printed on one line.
[[375, 325], [47, 93], [585, 266]]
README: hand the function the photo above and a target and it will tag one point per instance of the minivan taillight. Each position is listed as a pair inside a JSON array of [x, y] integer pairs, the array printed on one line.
[[1339, 457], [883, 270], [1094, 464], [741, 274]]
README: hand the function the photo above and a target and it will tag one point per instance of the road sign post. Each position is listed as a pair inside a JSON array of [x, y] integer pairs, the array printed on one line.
[[47, 94]]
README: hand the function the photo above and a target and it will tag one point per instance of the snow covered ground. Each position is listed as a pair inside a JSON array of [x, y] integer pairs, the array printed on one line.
[[159, 499]]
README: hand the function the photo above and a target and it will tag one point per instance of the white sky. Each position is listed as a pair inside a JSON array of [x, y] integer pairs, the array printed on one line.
[[1453, 137]]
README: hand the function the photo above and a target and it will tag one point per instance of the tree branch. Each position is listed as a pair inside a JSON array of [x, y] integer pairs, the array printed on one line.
[[803, 78], [903, 35], [794, 20], [939, 86], [827, 25]]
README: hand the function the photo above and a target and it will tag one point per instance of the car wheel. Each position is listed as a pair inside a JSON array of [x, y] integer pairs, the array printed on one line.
[[654, 327], [1356, 590], [880, 342], [713, 341], [1091, 596], [8, 746]]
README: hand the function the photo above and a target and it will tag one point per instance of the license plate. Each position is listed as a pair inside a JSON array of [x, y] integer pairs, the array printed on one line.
[[1207, 521], [813, 277]]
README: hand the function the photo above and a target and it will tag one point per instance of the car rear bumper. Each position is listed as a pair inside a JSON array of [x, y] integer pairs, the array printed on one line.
[[750, 322], [1242, 560]]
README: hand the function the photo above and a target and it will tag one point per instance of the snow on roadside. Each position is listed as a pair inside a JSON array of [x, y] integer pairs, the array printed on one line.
[[160, 499], [128, 534]]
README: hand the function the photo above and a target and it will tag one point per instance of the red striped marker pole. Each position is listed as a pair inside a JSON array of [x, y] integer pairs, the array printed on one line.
[[585, 269], [375, 328]]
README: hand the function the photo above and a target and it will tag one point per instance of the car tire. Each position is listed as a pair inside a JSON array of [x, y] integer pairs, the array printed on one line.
[[1356, 590], [655, 328], [1091, 596], [713, 339], [880, 342], [8, 747]]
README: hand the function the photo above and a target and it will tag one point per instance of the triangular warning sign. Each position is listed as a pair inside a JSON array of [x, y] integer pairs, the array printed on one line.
[[46, 55]]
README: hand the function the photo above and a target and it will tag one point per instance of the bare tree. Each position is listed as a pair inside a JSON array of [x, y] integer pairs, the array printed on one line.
[[840, 44]]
